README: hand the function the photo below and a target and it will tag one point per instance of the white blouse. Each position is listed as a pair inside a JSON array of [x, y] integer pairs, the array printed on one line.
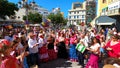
[[95, 46]]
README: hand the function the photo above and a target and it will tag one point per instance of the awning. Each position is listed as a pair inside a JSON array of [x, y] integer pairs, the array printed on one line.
[[104, 20], [93, 21]]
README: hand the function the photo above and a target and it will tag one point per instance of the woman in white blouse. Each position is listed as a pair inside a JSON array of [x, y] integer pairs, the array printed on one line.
[[93, 60]]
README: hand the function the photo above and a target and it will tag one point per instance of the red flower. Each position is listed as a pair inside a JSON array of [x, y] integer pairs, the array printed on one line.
[[4, 44]]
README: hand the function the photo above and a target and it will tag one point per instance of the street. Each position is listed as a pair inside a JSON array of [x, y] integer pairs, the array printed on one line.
[[60, 63]]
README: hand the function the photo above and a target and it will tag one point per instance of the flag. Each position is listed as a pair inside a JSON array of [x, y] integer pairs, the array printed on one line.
[[46, 22], [80, 47]]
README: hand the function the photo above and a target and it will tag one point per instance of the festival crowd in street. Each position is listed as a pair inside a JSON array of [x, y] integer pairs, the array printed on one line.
[[88, 46]]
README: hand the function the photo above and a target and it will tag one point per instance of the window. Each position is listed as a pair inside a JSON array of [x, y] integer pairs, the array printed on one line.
[[74, 16], [74, 12], [36, 9], [70, 13], [104, 1], [82, 16], [40, 12], [69, 17], [77, 16]]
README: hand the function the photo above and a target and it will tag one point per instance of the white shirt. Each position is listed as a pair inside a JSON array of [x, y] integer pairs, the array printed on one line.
[[84, 42], [92, 34], [96, 46], [41, 42], [31, 43]]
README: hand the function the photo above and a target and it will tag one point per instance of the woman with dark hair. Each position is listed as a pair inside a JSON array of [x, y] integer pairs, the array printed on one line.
[[113, 47], [62, 51], [94, 49], [50, 46]]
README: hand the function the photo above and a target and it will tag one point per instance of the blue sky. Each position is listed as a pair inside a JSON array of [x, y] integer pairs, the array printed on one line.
[[64, 5]]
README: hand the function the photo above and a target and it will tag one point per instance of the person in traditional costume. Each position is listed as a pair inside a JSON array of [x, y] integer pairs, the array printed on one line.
[[50, 46], [113, 47], [62, 51], [8, 61], [94, 57], [43, 53], [72, 49]]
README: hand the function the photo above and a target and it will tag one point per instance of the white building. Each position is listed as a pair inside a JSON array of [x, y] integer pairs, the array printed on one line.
[[77, 14], [22, 12], [55, 10], [114, 8], [41, 10]]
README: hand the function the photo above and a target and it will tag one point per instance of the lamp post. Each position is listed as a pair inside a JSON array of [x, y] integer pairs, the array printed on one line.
[[27, 6]]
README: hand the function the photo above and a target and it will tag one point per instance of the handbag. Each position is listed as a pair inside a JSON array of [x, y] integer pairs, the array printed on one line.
[[81, 48]]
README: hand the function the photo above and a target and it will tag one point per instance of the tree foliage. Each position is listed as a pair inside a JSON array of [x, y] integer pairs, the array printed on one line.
[[33, 18], [7, 9], [57, 18]]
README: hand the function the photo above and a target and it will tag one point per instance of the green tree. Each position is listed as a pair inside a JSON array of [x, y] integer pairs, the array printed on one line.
[[7, 9], [33, 18], [51, 17], [56, 18]]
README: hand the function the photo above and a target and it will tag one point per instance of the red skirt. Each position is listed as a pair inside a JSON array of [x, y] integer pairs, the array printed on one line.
[[52, 54], [43, 54]]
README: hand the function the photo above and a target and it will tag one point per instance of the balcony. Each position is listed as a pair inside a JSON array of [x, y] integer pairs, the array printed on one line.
[[114, 12]]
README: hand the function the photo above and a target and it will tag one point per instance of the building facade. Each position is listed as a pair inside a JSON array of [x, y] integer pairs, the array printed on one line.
[[102, 7], [77, 14], [35, 9], [41, 10], [110, 8], [114, 7]]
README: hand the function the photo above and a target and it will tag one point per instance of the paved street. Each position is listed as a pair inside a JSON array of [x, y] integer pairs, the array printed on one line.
[[60, 63]]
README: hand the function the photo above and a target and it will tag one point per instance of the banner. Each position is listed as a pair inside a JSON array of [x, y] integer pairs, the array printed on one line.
[[80, 47]]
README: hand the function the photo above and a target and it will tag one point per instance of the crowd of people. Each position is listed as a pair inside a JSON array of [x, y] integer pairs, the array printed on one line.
[[22, 49]]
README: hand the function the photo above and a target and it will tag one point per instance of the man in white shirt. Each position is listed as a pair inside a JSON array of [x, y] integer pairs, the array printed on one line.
[[33, 49]]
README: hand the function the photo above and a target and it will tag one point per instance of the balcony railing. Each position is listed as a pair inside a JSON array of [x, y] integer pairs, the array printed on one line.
[[111, 12]]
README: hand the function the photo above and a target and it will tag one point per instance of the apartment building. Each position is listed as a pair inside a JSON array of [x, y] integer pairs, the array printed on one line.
[[110, 8], [77, 13]]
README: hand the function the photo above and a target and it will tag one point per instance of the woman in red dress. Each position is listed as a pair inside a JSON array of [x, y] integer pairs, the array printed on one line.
[[113, 47]]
